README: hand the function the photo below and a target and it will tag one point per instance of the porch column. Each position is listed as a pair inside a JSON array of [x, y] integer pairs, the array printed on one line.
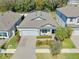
[[13, 32], [7, 34], [40, 31], [50, 31]]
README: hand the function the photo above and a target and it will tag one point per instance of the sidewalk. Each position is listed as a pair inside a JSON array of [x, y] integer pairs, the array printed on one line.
[[70, 51], [43, 51], [8, 51], [62, 51]]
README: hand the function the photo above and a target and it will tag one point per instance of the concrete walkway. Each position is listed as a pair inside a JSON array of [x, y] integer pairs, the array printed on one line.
[[62, 51], [70, 51], [26, 48], [42, 51], [75, 40], [8, 51]]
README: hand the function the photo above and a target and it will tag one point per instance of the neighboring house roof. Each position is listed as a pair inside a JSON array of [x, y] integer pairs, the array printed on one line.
[[70, 11], [37, 20], [74, 1], [8, 19]]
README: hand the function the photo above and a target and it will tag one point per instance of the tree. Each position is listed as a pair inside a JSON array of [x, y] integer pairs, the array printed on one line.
[[29, 5], [54, 47], [39, 4], [60, 33], [63, 33], [69, 31]]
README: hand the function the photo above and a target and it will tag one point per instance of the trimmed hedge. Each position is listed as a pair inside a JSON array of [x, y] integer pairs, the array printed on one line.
[[44, 36]]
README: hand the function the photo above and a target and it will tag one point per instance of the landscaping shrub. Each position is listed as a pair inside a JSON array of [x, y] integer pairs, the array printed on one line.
[[54, 47], [45, 42], [4, 46], [38, 42], [44, 36]]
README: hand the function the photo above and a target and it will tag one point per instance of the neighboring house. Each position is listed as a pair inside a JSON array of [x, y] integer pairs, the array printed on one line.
[[37, 23], [73, 2], [8, 22], [69, 16]]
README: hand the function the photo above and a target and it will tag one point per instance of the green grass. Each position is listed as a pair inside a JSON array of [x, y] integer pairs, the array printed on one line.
[[5, 56], [71, 56], [13, 43], [44, 36], [67, 43], [43, 44], [43, 56], [60, 56]]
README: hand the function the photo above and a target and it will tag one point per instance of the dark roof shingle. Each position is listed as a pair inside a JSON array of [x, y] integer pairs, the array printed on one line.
[[31, 20], [70, 11], [8, 19]]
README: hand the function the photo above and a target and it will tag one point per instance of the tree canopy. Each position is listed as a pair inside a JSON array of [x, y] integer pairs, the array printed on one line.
[[30, 5], [63, 33]]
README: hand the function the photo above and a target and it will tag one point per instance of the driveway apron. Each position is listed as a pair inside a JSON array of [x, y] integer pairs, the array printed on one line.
[[26, 48]]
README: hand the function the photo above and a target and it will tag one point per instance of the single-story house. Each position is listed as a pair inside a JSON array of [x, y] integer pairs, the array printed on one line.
[[8, 22], [69, 16], [37, 23], [73, 2]]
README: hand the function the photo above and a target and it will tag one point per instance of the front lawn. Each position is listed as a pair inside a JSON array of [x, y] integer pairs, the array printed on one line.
[[43, 43], [60, 56], [67, 43], [5, 56], [43, 56], [11, 43], [71, 56]]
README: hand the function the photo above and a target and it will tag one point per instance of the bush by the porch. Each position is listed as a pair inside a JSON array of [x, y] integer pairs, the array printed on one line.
[[44, 36]]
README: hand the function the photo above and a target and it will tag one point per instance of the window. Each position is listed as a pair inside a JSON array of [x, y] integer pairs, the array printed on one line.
[[3, 34], [45, 30], [0, 34]]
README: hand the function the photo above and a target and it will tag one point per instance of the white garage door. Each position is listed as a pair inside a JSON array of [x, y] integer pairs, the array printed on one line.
[[75, 32], [30, 32]]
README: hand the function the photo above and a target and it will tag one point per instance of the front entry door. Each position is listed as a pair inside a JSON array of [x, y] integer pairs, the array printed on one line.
[[53, 31]]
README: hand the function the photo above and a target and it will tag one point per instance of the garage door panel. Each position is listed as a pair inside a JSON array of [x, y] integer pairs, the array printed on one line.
[[30, 32]]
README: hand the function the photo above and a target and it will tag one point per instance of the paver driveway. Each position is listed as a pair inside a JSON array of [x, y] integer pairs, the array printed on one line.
[[75, 40], [26, 48]]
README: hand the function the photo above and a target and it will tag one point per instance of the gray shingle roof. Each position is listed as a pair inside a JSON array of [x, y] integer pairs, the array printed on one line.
[[70, 11], [8, 19], [74, 1], [31, 22]]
